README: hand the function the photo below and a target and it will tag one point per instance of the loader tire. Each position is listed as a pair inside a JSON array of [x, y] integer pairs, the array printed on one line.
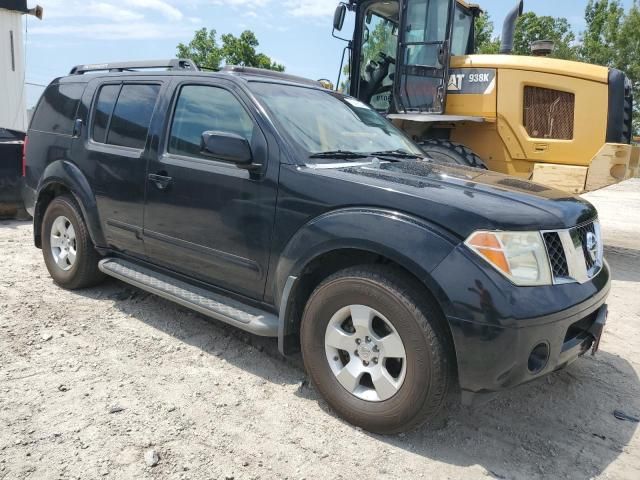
[[445, 151]]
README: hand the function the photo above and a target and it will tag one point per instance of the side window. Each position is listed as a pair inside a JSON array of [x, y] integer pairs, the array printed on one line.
[[104, 108], [123, 113], [57, 108], [203, 108], [132, 115]]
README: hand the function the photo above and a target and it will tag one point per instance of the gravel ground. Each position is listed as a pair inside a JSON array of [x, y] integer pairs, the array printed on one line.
[[107, 382]]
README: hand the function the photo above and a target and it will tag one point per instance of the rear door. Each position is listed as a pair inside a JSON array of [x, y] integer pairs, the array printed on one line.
[[114, 153], [423, 58], [204, 217], [51, 130]]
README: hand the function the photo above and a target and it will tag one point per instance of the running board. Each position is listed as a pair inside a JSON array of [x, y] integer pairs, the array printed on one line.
[[233, 312]]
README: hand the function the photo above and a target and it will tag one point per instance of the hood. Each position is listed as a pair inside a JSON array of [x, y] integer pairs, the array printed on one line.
[[462, 199]]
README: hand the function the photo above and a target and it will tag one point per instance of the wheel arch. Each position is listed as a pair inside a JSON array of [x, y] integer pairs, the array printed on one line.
[[63, 177], [353, 237]]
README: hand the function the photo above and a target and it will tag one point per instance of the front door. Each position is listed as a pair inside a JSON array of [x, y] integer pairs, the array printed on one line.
[[423, 58], [204, 217]]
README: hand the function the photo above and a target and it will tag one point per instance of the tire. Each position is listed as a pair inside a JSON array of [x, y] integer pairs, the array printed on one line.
[[444, 151], [83, 271], [428, 367]]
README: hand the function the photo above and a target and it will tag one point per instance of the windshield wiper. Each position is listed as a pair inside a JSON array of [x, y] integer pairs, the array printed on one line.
[[343, 154], [396, 154]]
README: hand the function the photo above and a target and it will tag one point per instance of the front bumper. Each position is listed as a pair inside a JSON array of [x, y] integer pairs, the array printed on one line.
[[496, 326], [507, 363]]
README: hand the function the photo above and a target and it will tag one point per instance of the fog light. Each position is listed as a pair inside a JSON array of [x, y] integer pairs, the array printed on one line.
[[538, 358]]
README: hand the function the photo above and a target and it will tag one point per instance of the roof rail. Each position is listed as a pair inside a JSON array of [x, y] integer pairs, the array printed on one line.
[[172, 64], [270, 73]]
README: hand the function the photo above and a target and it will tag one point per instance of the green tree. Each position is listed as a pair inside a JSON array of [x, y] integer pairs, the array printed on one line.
[[202, 49], [628, 57], [531, 27], [207, 53], [612, 39], [242, 51], [484, 40], [600, 38]]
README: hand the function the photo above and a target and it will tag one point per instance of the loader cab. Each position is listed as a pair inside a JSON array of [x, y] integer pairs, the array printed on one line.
[[400, 51]]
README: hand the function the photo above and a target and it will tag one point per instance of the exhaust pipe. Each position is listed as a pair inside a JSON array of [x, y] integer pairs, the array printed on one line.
[[509, 27]]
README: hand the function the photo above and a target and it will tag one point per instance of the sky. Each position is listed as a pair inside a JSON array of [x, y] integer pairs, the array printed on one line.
[[296, 33]]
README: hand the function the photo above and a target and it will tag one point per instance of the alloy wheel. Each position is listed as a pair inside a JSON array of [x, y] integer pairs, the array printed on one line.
[[63, 243], [365, 353]]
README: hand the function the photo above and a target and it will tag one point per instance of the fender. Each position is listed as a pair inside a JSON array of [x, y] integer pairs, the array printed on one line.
[[416, 245], [63, 172]]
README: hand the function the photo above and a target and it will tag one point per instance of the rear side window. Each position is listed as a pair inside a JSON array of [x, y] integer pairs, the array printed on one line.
[[104, 108], [123, 113], [57, 108]]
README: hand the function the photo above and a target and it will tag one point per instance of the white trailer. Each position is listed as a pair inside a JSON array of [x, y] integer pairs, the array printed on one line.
[[13, 109]]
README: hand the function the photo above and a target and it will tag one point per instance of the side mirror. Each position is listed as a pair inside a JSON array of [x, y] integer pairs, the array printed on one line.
[[338, 17], [229, 147]]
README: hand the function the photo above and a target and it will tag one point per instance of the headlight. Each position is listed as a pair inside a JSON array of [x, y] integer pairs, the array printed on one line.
[[519, 256]]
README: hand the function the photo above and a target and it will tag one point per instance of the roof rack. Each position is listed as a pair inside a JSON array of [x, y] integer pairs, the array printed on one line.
[[172, 64], [270, 73]]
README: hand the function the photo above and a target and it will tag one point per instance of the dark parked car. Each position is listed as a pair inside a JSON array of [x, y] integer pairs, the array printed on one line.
[[287, 210]]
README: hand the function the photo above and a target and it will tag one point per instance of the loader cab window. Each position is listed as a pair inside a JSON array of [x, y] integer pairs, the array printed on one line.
[[424, 59], [462, 31], [427, 28], [378, 54]]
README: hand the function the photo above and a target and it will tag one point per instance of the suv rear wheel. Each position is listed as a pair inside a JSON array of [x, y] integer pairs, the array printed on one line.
[[68, 252], [376, 350]]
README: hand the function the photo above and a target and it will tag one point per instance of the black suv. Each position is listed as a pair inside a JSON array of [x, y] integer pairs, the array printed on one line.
[[288, 210]]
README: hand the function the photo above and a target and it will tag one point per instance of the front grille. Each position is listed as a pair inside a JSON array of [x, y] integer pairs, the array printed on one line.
[[582, 233], [557, 257], [549, 113], [569, 253]]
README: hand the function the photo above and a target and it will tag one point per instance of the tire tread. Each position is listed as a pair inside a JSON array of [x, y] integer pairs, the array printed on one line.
[[465, 154]]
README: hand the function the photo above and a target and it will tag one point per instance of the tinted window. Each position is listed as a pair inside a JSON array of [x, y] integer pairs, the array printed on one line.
[[200, 109], [104, 108], [132, 115], [57, 108]]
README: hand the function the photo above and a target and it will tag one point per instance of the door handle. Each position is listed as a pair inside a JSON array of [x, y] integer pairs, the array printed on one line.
[[161, 180], [77, 128]]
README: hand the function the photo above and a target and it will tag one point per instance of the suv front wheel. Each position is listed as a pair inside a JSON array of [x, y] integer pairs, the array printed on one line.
[[68, 252], [375, 348]]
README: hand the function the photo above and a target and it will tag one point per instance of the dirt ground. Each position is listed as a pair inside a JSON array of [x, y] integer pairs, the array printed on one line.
[[93, 382]]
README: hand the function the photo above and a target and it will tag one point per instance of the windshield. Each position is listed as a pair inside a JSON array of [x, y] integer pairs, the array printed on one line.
[[320, 121]]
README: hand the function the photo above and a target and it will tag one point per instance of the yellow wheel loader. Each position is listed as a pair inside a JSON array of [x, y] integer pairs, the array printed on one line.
[[563, 124]]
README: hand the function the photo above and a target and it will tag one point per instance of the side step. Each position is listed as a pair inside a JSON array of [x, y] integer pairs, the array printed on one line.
[[233, 312]]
